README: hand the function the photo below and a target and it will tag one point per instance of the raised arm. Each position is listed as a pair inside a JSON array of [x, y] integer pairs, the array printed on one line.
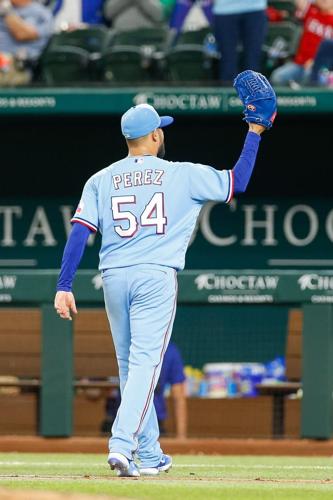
[[259, 100], [243, 169], [260, 108]]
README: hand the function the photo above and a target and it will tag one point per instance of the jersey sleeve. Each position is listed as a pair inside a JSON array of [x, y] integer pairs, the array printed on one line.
[[209, 184], [87, 210]]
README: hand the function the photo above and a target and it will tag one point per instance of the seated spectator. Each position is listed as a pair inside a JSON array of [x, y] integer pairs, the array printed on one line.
[[238, 21], [323, 63], [25, 28], [71, 14], [318, 26], [126, 15]]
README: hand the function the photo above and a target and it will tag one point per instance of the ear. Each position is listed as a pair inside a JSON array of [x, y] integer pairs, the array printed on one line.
[[155, 135]]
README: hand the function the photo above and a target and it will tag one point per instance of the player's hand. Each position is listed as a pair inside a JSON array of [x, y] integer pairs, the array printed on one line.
[[64, 304], [257, 129]]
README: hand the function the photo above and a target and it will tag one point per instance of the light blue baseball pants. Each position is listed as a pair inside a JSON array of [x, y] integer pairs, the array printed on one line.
[[141, 305]]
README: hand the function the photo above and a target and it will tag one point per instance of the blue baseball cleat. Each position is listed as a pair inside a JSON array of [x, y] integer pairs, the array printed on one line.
[[123, 466], [164, 466]]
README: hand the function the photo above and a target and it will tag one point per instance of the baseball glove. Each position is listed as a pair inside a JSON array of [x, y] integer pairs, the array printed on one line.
[[258, 97]]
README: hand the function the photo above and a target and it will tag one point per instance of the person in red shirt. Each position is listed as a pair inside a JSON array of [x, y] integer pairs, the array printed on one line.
[[318, 26]]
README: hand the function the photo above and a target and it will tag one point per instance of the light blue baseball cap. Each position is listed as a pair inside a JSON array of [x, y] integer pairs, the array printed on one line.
[[141, 120]]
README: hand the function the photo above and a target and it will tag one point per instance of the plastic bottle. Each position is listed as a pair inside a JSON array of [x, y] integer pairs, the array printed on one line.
[[210, 46], [203, 389]]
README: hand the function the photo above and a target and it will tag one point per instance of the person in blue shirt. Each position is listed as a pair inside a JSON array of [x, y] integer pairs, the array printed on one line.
[[239, 22], [25, 28], [172, 374]]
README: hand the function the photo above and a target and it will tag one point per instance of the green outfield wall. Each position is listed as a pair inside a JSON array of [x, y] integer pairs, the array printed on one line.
[[311, 290]]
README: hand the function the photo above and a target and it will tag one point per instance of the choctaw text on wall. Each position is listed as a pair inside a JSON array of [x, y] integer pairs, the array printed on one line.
[[244, 234]]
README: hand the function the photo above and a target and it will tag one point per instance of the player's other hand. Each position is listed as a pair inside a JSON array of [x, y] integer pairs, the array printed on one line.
[[257, 129], [64, 304]]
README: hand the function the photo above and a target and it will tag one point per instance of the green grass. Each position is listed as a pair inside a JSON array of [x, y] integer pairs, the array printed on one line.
[[193, 477]]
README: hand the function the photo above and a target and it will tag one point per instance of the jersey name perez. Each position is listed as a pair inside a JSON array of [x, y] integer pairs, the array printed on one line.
[[138, 178]]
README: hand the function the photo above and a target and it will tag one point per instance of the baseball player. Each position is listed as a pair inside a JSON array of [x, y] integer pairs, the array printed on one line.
[[146, 209]]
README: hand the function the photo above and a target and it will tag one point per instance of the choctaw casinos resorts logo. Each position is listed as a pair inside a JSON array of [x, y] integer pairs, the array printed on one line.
[[7, 285], [247, 288], [317, 283]]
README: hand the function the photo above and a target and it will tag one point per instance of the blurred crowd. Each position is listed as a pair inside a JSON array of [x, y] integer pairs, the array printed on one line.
[[291, 41]]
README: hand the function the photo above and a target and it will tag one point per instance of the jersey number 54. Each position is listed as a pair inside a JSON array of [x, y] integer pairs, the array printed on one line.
[[152, 215]]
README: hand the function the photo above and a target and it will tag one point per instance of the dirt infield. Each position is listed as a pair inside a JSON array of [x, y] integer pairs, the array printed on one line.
[[300, 447]]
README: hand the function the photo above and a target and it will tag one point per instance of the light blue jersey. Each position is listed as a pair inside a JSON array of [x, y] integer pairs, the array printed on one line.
[[146, 208]]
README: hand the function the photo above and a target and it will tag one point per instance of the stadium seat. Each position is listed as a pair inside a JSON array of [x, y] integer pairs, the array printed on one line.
[[158, 38], [195, 37], [93, 39], [65, 65], [124, 63], [286, 33], [281, 43], [189, 63]]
